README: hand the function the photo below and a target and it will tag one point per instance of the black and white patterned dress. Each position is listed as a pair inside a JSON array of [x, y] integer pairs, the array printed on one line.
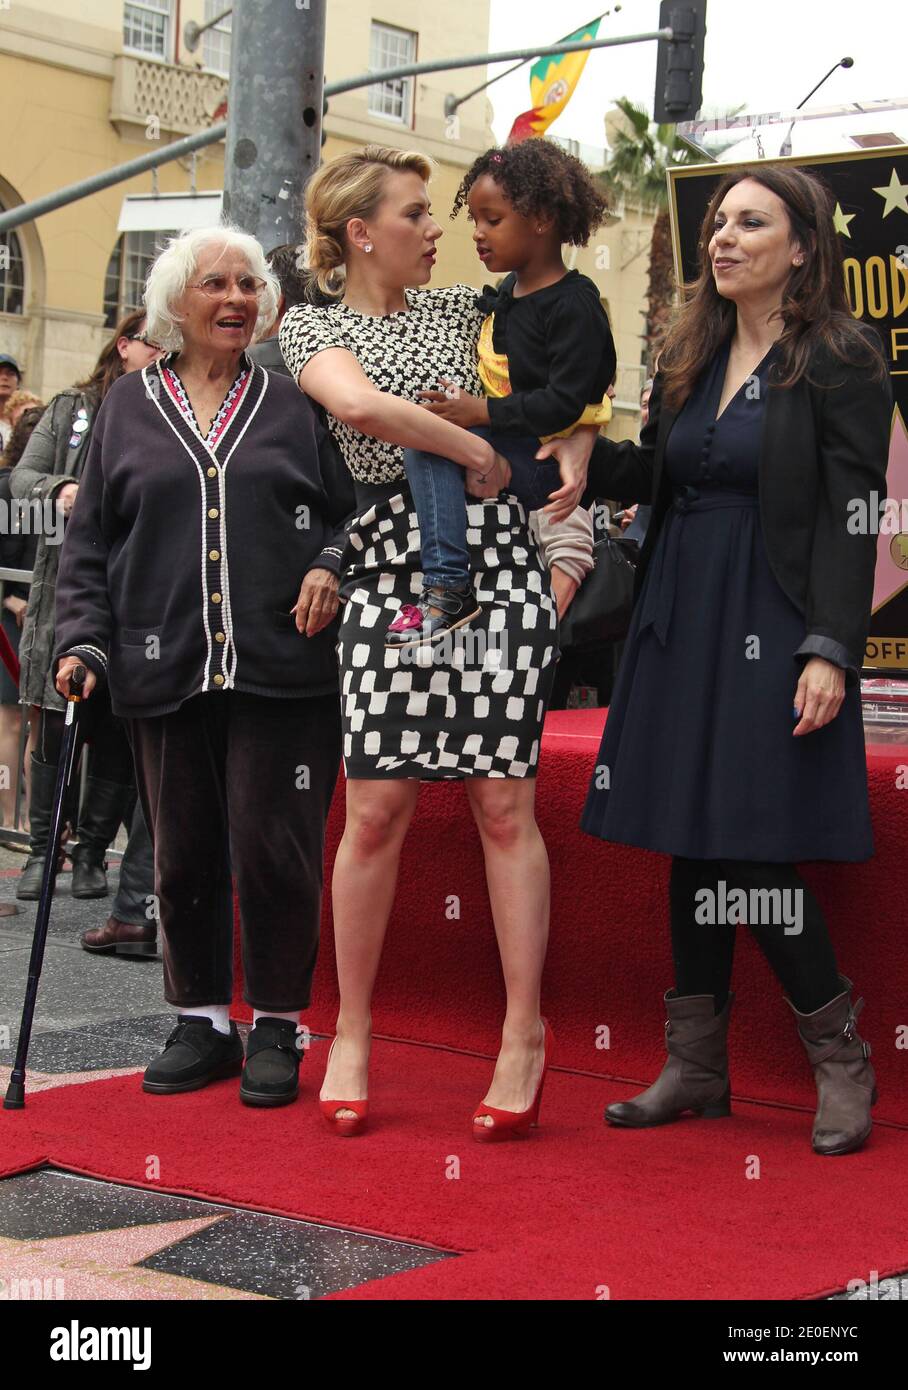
[[472, 705]]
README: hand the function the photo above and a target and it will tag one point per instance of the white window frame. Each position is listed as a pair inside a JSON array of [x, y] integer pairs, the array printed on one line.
[[142, 246], [12, 271], [391, 46], [156, 9], [224, 30]]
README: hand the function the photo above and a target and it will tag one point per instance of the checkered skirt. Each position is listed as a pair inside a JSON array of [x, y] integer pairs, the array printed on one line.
[[471, 705]]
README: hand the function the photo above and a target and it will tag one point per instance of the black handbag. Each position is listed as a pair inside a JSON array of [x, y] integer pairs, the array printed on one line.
[[600, 611]]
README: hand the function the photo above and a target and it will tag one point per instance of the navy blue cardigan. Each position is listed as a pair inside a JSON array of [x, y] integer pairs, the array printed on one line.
[[181, 563]]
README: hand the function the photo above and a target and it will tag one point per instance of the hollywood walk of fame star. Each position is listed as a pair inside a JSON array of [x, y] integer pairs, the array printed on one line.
[[104, 1265], [894, 195], [47, 1080]]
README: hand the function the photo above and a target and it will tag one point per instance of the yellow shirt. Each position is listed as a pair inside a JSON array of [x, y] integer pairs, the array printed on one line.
[[494, 375]]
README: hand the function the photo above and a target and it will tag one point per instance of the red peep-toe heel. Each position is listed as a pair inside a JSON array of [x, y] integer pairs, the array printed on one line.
[[343, 1125], [511, 1124]]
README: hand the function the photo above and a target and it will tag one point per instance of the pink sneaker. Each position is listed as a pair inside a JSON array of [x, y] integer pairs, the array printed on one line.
[[414, 623]]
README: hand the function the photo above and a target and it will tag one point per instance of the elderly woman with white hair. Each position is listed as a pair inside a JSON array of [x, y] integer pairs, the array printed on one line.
[[199, 577]]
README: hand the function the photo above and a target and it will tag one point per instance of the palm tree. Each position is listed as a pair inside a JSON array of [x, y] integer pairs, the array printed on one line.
[[641, 153]]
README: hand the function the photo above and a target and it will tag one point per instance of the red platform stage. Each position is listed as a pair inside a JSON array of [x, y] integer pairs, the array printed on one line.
[[609, 961], [578, 1210]]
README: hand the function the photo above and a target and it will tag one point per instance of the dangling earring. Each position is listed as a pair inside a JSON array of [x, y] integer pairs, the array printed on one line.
[[368, 247]]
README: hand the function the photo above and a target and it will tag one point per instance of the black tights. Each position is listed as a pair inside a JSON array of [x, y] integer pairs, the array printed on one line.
[[703, 944]]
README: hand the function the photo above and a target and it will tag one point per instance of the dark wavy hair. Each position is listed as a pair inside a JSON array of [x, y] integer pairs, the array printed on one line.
[[540, 178], [814, 309], [297, 286], [109, 365]]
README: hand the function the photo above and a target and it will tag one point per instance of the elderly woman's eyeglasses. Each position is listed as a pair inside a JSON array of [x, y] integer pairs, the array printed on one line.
[[251, 286], [144, 339]]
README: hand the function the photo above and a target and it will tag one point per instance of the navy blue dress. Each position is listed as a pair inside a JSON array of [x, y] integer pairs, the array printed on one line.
[[698, 758]]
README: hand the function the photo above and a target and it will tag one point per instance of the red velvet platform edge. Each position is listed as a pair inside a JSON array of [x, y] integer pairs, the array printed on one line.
[[609, 962]]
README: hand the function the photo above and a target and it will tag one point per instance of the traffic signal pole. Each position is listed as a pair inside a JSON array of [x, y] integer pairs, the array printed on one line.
[[274, 115]]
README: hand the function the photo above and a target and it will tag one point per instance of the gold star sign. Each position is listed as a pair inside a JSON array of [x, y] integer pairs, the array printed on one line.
[[841, 219], [894, 194]]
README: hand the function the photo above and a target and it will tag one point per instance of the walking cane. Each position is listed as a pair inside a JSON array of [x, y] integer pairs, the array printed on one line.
[[15, 1092]]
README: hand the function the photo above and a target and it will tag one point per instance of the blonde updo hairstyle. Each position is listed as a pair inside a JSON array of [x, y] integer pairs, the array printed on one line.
[[352, 185]]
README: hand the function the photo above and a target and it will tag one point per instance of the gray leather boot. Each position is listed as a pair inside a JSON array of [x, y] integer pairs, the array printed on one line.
[[695, 1077], [846, 1085]]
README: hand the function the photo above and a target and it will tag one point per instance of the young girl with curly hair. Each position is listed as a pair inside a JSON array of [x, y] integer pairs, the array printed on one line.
[[546, 358]]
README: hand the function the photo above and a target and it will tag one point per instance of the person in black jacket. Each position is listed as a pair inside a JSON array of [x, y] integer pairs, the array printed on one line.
[[45, 482], [18, 544], [734, 741], [199, 575], [297, 286]]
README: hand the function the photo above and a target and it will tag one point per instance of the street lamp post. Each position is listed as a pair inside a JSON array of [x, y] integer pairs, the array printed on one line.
[[193, 32], [842, 63]]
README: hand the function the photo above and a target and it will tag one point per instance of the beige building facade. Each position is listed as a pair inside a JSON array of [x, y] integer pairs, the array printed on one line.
[[89, 84], [617, 260]]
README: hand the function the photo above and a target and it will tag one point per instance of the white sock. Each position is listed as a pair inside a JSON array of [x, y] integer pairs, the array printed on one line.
[[218, 1013], [291, 1017]]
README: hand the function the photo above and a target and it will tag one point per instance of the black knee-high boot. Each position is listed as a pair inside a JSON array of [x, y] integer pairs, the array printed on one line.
[[105, 806], [43, 784]]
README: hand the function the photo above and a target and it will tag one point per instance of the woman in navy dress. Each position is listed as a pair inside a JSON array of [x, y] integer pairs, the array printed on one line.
[[734, 740]]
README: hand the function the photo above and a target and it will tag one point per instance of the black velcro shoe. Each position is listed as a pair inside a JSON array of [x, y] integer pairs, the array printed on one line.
[[194, 1054], [271, 1073]]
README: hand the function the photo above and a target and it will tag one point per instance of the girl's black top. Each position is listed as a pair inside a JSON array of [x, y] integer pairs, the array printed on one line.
[[560, 351]]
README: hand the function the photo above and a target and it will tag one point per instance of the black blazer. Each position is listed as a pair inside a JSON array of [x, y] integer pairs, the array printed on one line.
[[825, 445]]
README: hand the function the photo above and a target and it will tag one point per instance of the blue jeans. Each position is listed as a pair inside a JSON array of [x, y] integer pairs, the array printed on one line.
[[437, 486]]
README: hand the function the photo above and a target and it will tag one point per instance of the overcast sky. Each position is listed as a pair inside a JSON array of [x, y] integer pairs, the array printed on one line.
[[766, 55]]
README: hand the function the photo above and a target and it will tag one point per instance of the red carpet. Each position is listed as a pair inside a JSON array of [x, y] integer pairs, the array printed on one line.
[[668, 1213], [609, 961]]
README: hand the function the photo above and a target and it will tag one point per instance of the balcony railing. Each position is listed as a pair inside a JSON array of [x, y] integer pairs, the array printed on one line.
[[162, 99]]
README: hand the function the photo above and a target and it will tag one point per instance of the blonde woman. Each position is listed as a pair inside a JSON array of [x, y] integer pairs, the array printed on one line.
[[476, 713]]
